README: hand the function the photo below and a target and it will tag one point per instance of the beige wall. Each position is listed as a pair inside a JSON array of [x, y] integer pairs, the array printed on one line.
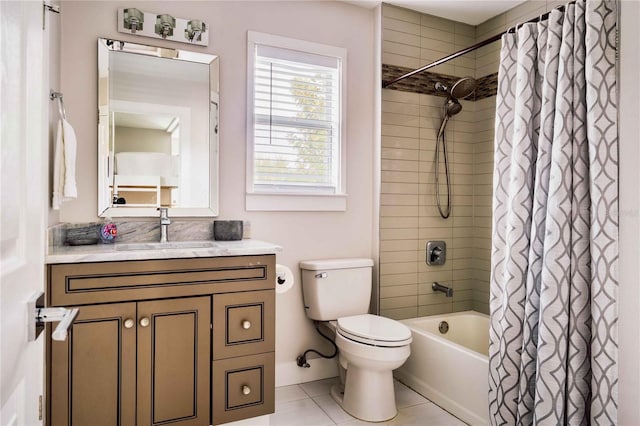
[[303, 235]]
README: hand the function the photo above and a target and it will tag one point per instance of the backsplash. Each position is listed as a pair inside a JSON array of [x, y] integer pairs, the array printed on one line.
[[143, 231]]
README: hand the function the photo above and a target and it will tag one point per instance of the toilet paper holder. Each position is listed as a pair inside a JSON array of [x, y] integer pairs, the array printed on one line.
[[284, 279]]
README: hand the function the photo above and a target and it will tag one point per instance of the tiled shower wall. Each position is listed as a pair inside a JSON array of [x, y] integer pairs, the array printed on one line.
[[410, 122], [409, 216]]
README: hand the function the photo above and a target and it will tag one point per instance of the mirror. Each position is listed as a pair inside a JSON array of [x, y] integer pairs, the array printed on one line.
[[157, 130]]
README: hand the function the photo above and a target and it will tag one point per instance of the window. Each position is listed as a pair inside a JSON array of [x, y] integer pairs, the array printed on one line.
[[295, 147]]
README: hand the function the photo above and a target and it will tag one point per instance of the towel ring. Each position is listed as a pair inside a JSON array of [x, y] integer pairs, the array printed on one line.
[[57, 95]]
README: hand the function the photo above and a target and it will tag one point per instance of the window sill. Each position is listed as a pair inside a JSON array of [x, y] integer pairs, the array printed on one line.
[[296, 202]]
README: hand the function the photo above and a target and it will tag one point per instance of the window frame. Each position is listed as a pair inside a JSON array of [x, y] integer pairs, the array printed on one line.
[[302, 200]]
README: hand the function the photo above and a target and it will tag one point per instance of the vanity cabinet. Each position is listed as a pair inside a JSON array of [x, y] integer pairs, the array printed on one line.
[[180, 341]]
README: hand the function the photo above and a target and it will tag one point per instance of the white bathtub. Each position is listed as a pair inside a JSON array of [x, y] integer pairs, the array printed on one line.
[[451, 369]]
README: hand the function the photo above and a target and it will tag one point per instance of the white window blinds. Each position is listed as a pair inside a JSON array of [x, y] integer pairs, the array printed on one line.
[[296, 121]]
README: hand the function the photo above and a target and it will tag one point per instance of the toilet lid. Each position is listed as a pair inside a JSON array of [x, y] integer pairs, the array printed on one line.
[[374, 330]]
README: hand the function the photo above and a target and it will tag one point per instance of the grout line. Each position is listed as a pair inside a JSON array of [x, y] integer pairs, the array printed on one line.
[[322, 409]]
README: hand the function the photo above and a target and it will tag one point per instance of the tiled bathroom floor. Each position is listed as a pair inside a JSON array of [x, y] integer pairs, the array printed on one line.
[[310, 404]]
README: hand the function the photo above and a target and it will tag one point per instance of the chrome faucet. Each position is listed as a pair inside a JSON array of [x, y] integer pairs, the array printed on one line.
[[164, 224], [448, 291]]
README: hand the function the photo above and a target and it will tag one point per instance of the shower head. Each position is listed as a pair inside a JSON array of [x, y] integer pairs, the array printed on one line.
[[460, 89], [452, 107], [463, 87]]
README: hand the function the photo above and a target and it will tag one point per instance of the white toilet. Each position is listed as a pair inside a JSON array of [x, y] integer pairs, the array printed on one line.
[[371, 347]]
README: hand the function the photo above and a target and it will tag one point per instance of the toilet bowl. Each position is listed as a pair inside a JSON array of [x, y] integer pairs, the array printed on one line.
[[337, 292], [371, 347]]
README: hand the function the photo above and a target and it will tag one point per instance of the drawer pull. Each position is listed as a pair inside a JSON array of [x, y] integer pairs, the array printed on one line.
[[246, 324], [128, 323], [144, 322], [246, 390]]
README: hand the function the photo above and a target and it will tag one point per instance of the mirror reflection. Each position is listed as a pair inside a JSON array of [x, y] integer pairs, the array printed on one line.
[[158, 130]]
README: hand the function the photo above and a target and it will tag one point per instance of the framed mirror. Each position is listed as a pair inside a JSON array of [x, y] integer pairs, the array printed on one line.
[[157, 130]]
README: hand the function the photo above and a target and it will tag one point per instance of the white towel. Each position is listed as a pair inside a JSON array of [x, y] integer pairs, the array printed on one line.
[[64, 165]]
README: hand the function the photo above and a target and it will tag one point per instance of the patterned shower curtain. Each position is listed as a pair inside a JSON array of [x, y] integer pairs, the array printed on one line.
[[553, 333]]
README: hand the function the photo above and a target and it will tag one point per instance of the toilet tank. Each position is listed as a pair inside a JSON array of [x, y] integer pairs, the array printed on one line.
[[335, 288]]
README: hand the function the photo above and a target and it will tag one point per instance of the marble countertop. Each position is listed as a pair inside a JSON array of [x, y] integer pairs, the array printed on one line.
[[151, 250]]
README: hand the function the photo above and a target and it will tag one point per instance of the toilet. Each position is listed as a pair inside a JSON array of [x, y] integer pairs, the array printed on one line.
[[338, 291]]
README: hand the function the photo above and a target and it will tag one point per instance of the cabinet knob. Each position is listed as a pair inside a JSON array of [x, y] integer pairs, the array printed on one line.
[[246, 390], [128, 323], [144, 322], [246, 324]]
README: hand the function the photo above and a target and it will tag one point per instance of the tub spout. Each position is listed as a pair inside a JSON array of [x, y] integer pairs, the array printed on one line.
[[448, 291]]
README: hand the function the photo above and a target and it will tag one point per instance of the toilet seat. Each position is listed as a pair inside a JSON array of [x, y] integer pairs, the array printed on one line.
[[374, 330]]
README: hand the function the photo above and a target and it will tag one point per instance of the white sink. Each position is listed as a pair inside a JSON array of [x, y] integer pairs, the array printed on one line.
[[167, 245]]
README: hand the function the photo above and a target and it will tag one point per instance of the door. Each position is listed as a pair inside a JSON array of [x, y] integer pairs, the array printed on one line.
[[93, 374], [23, 183], [174, 359]]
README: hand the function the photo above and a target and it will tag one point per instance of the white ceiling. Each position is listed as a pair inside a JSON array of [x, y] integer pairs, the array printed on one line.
[[472, 12]]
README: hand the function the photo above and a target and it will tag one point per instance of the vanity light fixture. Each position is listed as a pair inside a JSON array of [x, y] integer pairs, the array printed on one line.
[[194, 30], [133, 19], [162, 26], [165, 24]]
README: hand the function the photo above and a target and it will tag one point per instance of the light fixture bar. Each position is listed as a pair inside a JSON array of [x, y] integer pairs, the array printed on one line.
[[163, 26]]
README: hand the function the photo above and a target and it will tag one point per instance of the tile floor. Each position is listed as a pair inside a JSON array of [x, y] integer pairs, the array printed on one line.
[[310, 404]]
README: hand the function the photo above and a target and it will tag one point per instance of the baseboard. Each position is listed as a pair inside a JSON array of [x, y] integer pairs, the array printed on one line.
[[288, 373]]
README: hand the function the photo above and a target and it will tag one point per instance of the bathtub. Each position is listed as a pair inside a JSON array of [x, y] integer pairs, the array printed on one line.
[[451, 369]]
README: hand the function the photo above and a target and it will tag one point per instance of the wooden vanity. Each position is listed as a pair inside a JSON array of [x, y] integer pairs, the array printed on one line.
[[187, 341]]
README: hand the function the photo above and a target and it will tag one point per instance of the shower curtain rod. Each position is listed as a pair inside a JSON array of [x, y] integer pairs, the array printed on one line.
[[483, 43]]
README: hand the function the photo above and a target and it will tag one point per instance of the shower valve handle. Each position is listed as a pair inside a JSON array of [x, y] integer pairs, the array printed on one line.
[[435, 254]]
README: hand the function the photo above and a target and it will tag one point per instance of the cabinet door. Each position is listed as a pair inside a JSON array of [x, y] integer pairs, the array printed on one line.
[[92, 373], [174, 343]]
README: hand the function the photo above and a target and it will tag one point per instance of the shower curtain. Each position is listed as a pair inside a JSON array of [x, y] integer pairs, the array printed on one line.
[[553, 333]]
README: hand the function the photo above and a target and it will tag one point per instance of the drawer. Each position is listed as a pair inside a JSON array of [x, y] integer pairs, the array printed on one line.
[[102, 282], [244, 323], [243, 387]]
